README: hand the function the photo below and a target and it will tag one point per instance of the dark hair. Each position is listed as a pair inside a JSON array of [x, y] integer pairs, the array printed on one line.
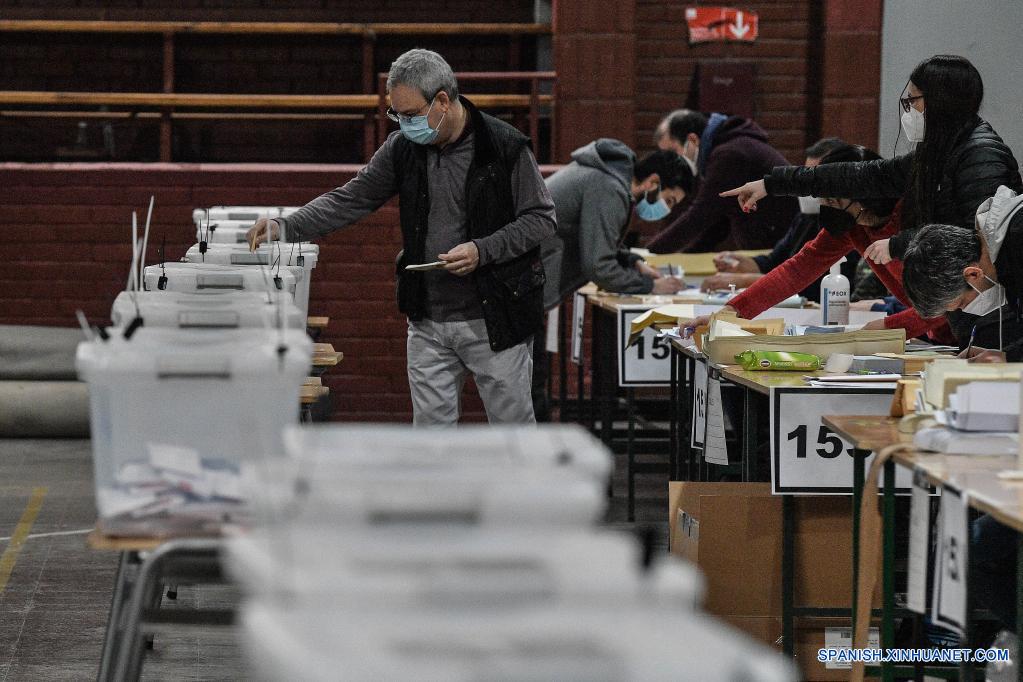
[[932, 272], [882, 207], [823, 146], [685, 121], [671, 168], [952, 90]]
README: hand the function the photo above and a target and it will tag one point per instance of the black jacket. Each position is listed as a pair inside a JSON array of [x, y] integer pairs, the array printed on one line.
[[978, 163], [511, 292]]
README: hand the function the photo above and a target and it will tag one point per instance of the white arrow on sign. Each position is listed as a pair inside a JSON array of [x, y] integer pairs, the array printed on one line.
[[739, 29]]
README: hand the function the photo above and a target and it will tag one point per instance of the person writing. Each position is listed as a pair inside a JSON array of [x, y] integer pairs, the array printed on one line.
[[978, 272], [722, 151]]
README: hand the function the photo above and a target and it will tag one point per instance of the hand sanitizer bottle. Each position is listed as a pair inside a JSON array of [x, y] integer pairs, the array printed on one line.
[[835, 296]]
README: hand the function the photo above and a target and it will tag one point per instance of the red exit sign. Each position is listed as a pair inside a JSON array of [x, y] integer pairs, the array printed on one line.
[[721, 24]]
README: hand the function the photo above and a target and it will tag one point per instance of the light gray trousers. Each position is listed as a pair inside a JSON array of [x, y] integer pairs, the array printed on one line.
[[442, 354]]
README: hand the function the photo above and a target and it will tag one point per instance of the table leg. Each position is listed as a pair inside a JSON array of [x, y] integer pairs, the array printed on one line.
[[630, 454], [888, 570], [112, 635], [788, 505], [749, 435], [673, 416], [563, 351], [1018, 654], [859, 464]]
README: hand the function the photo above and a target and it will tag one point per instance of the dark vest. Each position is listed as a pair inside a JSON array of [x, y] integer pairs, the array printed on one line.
[[511, 293]]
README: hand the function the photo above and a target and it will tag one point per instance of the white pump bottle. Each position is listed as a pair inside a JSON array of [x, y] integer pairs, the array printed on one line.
[[835, 296]]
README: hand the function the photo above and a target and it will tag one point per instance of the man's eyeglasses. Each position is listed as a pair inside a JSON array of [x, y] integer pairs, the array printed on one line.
[[907, 102], [406, 118]]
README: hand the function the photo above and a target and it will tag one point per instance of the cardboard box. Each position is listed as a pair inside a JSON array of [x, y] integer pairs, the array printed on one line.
[[733, 533], [809, 635]]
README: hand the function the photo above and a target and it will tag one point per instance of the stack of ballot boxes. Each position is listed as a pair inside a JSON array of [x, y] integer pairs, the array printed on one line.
[[383, 552], [190, 388]]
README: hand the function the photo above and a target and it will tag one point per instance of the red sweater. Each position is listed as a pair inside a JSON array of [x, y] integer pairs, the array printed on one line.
[[817, 257]]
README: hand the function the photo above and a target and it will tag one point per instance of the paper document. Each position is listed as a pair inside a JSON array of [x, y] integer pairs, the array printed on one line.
[[435, 265], [662, 315], [919, 542], [715, 449]]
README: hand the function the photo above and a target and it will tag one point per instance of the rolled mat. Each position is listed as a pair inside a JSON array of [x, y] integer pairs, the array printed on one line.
[[44, 409], [38, 353]]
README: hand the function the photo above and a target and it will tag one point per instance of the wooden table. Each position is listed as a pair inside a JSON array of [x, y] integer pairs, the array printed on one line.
[[324, 357], [316, 325], [974, 475]]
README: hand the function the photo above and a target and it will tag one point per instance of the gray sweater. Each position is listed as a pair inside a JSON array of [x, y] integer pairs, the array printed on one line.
[[593, 199], [449, 297]]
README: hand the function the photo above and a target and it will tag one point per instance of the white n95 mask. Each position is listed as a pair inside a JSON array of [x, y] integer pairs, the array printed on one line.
[[809, 205], [913, 124]]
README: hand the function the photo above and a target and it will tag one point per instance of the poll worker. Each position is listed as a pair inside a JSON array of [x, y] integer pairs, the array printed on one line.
[[471, 198], [979, 272], [722, 151], [847, 224], [741, 270], [958, 160], [594, 197], [976, 271]]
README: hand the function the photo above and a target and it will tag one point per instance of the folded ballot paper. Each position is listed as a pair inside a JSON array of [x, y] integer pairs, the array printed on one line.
[[941, 378]]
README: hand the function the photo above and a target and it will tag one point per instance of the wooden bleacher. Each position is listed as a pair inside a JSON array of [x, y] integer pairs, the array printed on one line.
[[168, 104]]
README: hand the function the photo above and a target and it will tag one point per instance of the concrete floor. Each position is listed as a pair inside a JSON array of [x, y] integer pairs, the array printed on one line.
[[54, 606]]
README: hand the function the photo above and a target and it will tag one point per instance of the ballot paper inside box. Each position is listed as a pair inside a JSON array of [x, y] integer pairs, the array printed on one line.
[[228, 310], [176, 415], [299, 258]]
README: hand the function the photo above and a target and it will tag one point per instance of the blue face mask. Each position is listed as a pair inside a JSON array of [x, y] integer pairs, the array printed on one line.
[[652, 211], [417, 128]]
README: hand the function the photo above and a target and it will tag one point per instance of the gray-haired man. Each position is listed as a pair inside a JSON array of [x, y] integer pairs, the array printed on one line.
[[471, 197]]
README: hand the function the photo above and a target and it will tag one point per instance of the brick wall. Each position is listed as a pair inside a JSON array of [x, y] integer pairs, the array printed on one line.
[[852, 70], [665, 62], [67, 229]]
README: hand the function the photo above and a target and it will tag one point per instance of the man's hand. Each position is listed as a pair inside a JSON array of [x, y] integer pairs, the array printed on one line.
[[668, 285], [879, 252], [867, 305], [877, 324], [978, 354], [647, 270], [726, 261], [462, 259], [257, 233], [723, 281], [748, 195]]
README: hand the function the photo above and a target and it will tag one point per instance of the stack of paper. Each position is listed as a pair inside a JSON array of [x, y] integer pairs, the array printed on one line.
[[951, 442], [886, 381], [941, 379], [985, 406]]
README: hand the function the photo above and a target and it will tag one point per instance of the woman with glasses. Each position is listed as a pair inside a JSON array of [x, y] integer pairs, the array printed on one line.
[[958, 161]]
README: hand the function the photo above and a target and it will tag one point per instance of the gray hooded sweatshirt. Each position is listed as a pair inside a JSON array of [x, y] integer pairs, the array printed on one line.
[[593, 199]]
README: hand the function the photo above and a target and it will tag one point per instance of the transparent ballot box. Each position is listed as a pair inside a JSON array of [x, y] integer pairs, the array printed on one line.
[[175, 415], [298, 258], [567, 447], [228, 310], [250, 213], [208, 278], [588, 643], [466, 567]]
